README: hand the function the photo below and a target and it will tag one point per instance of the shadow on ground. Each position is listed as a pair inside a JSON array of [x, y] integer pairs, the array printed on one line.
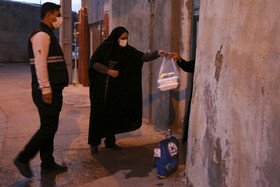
[[85, 168], [138, 160]]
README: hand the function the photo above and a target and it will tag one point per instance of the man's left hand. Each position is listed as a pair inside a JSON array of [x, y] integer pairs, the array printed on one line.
[[47, 98]]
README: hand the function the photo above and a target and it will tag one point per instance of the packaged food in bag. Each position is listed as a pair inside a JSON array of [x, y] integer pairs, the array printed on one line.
[[168, 78]]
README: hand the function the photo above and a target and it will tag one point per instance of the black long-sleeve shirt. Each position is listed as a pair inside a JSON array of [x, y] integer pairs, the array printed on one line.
[[187, 66]]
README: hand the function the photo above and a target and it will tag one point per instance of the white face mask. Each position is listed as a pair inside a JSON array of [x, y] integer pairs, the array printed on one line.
[[57, 23], [123, 43]]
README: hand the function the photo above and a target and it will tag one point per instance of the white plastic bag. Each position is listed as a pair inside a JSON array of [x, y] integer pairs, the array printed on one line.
[[168, 78]]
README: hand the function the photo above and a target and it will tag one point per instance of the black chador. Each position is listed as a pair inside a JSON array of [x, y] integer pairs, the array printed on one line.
[[116, 103]]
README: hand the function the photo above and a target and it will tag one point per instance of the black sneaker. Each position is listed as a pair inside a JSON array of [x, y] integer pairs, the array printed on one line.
[[23, 168], [54, 169], [114, 146]]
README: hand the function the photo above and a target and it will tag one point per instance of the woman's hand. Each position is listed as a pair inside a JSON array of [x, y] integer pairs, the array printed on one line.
[[113, 73], [175, 56], [163, 53]]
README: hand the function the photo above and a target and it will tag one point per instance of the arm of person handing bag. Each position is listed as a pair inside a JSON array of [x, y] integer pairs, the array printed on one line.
[[100, 68], [187, 66], [153, 55]]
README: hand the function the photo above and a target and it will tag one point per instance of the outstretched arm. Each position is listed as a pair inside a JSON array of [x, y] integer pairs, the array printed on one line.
[[187, 66], [149, 56]]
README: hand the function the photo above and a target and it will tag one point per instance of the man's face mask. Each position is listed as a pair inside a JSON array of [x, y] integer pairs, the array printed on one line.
[[123, 43], [57, 23]]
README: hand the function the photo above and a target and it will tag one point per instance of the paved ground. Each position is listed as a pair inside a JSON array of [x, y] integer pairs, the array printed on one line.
[[133, 166]]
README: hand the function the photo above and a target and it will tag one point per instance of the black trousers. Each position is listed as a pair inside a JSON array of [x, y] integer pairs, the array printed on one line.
[[43, 139]]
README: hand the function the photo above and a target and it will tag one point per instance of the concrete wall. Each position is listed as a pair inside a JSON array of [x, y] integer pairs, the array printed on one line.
[[133, 15], [97, 10], [18, 22], [196, 4], [234, 133]]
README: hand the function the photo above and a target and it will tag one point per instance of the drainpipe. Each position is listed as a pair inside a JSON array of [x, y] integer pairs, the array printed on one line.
[[152, 21], [83, 47]]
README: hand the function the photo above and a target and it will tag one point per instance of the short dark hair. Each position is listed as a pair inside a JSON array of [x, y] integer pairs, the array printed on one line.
[[48, 7]]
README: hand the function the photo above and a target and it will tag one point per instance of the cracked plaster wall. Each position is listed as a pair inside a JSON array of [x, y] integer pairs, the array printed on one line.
[[235, 123]]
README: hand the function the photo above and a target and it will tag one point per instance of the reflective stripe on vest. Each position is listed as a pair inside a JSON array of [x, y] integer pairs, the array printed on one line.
[[50, 59]]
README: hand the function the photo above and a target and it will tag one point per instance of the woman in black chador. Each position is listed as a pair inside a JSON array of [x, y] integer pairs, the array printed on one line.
[[115, 75]]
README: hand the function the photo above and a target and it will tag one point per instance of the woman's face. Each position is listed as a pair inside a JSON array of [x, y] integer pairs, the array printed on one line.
[[123, 39]]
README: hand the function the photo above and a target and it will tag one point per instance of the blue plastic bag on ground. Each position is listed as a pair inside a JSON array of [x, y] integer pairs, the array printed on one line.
[[167, 153]]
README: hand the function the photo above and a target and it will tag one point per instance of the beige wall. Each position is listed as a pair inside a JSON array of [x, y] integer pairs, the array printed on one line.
[[235, 122]]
